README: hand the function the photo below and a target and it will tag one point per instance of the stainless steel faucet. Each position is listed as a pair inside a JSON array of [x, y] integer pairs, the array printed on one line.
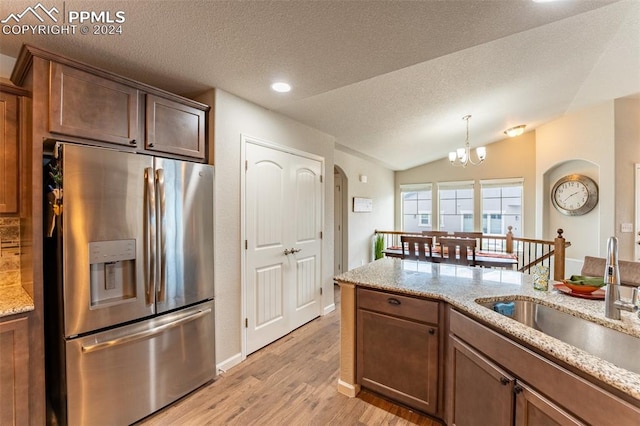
[[612, 303]]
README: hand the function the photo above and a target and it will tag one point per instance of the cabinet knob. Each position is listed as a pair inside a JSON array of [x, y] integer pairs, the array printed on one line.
[[393, 301], [132, 142], [150, 145], [432, 331], [518, 389], [504, 381]]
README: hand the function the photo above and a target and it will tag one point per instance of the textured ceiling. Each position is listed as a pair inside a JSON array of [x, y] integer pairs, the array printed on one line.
[[388, 79]]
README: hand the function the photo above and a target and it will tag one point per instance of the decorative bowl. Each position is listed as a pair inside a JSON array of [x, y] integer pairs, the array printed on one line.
[[583, 284], [580, 288]]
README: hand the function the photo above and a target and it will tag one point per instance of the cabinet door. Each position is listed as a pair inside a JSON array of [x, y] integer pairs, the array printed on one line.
[[481, 392], [9, 146], [398, 358], [14, 372], [532, 409], [174, 128], [88, 106]]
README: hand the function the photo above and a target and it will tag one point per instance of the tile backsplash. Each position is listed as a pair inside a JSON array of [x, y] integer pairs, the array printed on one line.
[[9, 251]]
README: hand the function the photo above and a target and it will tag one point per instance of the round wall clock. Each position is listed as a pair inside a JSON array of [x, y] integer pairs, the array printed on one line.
[[574, 195]]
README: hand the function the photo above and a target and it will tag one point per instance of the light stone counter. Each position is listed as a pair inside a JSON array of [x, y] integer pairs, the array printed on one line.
[[461, 286], [14, 300]]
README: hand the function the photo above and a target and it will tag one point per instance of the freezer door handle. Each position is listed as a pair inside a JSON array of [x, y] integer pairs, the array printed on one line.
[[150, 236], [145, 334], [162, 201]]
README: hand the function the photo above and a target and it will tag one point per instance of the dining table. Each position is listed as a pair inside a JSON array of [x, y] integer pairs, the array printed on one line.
[[486, 259]]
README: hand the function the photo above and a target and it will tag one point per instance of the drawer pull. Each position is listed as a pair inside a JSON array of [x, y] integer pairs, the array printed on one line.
[[393, 301]]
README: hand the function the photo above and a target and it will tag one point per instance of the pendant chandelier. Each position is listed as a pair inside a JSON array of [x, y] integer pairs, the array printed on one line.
[[462, 156]]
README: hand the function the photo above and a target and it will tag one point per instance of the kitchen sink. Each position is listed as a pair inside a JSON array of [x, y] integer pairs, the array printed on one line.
[[618, 348]]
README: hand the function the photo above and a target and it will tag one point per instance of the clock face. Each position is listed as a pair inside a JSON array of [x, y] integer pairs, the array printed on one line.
[[574, 195]]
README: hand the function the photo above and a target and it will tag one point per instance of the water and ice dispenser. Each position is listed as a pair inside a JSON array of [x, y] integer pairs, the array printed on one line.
[[113, 266]]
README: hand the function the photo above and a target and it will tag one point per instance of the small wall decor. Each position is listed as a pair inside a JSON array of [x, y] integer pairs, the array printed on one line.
[[362, 205]]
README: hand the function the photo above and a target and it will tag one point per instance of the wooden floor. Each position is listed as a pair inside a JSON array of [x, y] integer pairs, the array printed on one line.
[[293, 381]]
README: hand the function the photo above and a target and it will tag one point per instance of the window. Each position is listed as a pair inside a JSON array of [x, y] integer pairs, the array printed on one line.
[[456, 206], [502, 206], [416, 207]]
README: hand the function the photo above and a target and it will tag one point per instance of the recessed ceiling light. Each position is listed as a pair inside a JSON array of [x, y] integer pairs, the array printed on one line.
[[281, 87]]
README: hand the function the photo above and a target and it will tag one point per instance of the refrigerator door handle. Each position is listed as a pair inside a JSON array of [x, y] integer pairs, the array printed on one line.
[[162, 286], [150, 236], [145, 333]]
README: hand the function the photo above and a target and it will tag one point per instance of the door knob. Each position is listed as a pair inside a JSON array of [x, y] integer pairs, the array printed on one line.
[[287, 252], [295, 250]]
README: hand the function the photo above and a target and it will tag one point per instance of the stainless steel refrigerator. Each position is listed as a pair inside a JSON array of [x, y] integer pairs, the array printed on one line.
[[128, 283]]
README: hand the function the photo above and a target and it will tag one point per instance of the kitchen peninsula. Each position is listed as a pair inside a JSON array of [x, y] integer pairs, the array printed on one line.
[[393, 308]]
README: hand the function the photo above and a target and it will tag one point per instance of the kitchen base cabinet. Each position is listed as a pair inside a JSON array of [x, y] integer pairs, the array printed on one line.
[[14, 372], [398, 348], [485, 394], [480, 360], [533, 409]]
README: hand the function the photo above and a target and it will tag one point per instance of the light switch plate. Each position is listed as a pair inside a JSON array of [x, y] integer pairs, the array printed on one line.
[[626, 227]]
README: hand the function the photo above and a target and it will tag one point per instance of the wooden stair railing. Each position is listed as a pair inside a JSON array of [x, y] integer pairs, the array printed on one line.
[[530, 251]]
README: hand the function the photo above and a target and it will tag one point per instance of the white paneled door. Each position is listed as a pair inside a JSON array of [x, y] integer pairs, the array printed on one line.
[[283, 224]]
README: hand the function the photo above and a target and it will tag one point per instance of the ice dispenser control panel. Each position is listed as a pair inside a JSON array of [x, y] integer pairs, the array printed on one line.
[[112, 271], [111, 251]]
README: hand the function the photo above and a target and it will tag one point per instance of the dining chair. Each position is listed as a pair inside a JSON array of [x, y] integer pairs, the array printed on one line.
[[436, 235], [416, 248], [476, 235], [460, 251]]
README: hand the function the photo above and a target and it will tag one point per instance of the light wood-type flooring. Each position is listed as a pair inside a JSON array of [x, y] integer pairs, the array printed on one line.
[[293, 381]]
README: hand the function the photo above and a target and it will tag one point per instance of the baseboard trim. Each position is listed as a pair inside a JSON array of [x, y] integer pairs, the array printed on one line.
[[329, 309], [227, 364], [348, 389]]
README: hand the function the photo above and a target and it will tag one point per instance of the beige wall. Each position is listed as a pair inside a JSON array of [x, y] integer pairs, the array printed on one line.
[[233, 118], [627, 136], [602, 142], [508, 158], [379, 188]]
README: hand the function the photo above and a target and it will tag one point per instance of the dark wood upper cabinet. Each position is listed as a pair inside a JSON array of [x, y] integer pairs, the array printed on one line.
[[9, 152], [89, 106], [174, 128]]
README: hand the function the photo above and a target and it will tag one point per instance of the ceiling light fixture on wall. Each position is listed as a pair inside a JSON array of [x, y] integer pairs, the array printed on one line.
[[281, 87], [515, 131], [462, 156]]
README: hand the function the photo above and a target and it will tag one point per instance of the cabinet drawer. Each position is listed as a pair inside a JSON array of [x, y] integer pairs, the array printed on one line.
[[402, 306], [88, 106]]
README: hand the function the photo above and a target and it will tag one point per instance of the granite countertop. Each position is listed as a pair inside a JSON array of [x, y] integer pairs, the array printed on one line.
[[14, 300], [461, 286]]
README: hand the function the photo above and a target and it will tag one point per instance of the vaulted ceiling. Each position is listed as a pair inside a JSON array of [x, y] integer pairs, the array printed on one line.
[[390, 80]]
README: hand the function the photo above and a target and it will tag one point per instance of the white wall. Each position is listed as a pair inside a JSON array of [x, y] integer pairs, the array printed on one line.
[[234, 117], [380, 188]]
